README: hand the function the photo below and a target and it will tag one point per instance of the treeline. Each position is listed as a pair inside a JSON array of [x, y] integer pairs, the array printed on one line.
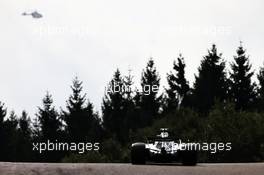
[[222, 106]]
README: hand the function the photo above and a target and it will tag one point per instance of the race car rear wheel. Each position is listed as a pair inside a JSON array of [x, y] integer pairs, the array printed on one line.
[[189, 158], [138, 154]]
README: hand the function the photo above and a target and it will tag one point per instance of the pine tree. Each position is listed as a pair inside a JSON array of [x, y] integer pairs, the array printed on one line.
[[2, 113], [80, 118], [149, 101], [178, 86], [36, 138], [260, 91], [24, 124], [24, 146], [50, 124], [36, 132], [131, 117], [261, 82], [12, 120], [113, 107], [11, 134], [2, 132], [49, 128], [242, 90], [211, 83], [128, 82]]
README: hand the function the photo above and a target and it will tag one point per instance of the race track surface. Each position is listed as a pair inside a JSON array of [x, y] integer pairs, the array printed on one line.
[[128, 169]]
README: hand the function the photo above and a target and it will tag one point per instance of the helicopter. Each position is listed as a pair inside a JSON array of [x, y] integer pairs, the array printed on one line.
[[34, 14]]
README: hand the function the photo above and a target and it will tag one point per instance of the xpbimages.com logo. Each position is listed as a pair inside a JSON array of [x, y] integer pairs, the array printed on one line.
[[80, 147], [212, 147]]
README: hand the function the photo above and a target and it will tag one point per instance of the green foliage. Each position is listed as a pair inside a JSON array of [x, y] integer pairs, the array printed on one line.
[[113, 107], [177, 93], [245, 130], [211, 82], [119, 112], [24, 124], [80, 118], [49, 128], [114, 151], [261, 82], [129, 106], [183, 124], [10, 132], [49, 122], [149, 104], [2, 113], [2, 134], [260, 90], [242, 90], [23, 147]]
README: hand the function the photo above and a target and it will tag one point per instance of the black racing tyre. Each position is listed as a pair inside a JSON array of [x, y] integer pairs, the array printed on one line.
[[138, 154], [189, 158]]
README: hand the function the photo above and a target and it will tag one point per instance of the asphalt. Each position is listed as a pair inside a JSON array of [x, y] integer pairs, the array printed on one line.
[[7, 168]]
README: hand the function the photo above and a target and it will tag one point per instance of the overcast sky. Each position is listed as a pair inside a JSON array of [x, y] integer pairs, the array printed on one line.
[[91, 39]]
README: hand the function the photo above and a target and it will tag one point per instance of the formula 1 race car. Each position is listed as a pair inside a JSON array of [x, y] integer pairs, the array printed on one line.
[[163, 149]]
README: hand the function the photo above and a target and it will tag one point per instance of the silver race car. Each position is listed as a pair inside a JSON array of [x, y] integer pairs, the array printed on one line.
[[163, 149]]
